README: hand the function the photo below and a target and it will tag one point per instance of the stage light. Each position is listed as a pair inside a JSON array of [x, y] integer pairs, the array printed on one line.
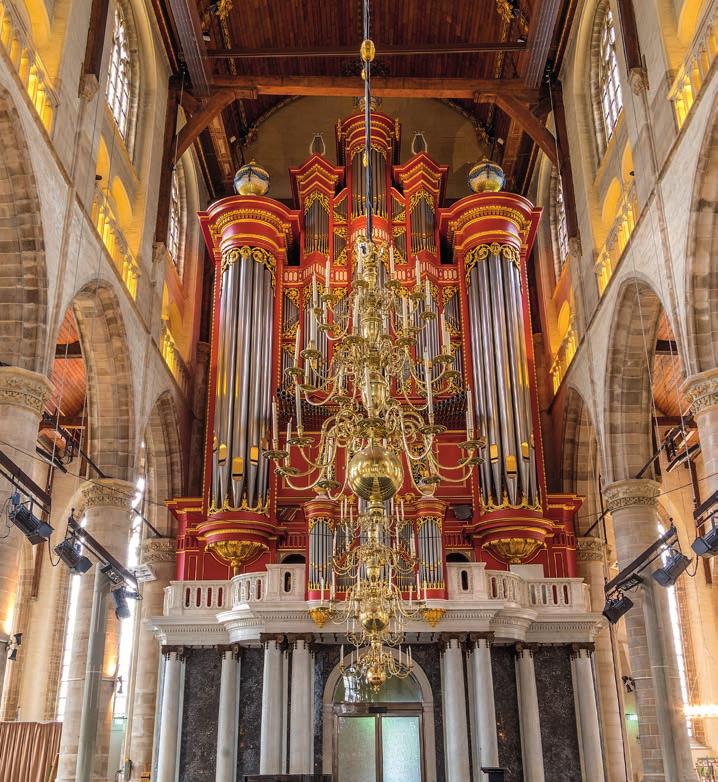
[[707, 546], [69, 553], [35, 530], [616, 607], [120, 596], [675, 564]]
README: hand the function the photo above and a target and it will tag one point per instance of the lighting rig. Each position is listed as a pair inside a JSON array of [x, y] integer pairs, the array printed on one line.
[[706, 545], [617, 602]]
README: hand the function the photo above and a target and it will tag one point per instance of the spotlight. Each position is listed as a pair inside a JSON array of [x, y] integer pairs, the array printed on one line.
[[120, 597], [13, 645], [114, 574], [675, 565], [35, 530], [69, 553], [707, 546], [616, 607]]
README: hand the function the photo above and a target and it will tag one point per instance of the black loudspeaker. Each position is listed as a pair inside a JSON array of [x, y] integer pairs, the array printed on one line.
[[495, 774]]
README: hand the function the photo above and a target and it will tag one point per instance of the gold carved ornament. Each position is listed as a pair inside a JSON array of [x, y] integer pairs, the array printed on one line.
[[257, 254], [482, 252], [514, 550], [237, 552]]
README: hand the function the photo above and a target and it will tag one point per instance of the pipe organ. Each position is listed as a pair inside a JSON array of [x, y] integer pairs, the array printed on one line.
[[271, 263]]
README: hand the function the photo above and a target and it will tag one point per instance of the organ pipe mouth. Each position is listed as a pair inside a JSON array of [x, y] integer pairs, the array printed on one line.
[[222, 453], [237, 467]]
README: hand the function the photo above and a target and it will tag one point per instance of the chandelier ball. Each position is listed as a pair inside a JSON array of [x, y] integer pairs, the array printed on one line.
[[373, 617], [375, 472], [375, 677]]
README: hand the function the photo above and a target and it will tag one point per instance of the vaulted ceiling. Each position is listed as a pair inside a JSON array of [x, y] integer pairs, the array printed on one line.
[[240, 59]]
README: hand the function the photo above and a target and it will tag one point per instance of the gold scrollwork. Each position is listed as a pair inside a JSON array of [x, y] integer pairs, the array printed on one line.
[[257, 254], [482, 252], [316, 196], [448, 292], [293, 295], [341, 259], [340, 230], [421, 195]]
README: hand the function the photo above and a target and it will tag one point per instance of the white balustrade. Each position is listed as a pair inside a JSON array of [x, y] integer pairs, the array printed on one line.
[[183, 597]]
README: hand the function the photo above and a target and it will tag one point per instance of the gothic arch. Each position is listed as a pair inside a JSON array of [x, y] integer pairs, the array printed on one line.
[[702, 257], [628, 394], [580, 459], [109, 379], [23, 279], [163, 455]]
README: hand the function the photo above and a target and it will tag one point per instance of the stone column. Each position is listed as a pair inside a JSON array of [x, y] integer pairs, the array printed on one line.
[[590, 730], [23, 395], [702, 393], [227, 722], [158, 554], [270, 749], [487, 750], [300, 718], [168, 744], [590, 557], [106, 505], [529, 720], [454, 697], [665, 748]]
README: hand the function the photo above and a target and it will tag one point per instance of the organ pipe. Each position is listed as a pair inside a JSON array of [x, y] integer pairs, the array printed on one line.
[[503, 402], [243, 390]]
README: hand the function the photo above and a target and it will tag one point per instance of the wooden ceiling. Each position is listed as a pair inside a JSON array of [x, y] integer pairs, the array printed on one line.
[[241, 58]]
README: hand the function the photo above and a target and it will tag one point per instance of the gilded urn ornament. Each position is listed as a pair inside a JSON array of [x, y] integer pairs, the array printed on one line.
[[251, 179], [375, 472], [486, 177]]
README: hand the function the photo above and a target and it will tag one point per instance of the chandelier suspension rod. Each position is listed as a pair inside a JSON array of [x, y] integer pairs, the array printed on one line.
[[366, 59]]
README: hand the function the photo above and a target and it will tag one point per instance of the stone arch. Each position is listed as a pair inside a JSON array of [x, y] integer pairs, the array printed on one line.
[[109, 379], [163, 465], [580, 460], [23, 281], [702, 257], [628, 396]]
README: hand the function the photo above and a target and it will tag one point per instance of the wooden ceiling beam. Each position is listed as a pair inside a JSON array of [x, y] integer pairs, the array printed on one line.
[[540, 39], [68, 350], [236, 53], [382, 86], [201, 119], [189, 30]]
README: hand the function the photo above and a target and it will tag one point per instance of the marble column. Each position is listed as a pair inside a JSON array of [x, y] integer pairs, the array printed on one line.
[[23, 395], [529, 719], [590, 730], [454, 698], [701, 391], [106, 505], [665, 747], [168, 744], [228, 720], [158, 554], [270, 748], [590, 558], [484, 709], [301, 732]]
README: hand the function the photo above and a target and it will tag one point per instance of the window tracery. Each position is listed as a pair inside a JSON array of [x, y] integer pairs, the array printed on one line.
[[609, 84], [176, 220], [119, 81]]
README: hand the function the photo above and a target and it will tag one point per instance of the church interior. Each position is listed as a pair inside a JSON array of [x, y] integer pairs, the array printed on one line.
[[358, 391]]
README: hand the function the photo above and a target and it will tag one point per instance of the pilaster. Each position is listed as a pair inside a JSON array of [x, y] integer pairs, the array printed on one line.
[[701, 391]]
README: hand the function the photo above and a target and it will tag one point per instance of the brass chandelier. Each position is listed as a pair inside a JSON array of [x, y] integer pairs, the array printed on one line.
[[372, 429]]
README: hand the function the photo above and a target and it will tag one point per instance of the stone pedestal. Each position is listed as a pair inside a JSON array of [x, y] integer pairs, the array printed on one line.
[[159, 555], [23, 395], [702, 393], [589, 729], [168, 744], [227, 719], [487, 751], [300, 718], [529, 720], [456, 734], [270, 749], [665, 748], [590, 559], [106, 505]]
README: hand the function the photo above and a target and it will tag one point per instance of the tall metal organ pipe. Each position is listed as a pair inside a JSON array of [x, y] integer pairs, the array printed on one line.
[[501, 380], [243, 391]]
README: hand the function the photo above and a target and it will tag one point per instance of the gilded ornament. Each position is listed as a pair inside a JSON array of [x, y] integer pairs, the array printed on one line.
[[433, 615], [251, 179], [514, 550], [257, 254], [237, 552]]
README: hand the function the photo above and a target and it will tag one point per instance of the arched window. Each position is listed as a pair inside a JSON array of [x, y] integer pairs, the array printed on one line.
[[119, 81], [559, 227], [605, 84], [176, 220]]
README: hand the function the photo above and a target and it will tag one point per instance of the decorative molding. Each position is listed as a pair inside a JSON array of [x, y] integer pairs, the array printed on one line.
[[156, 550], [23, 388], [589, 549], [89, 86], [701, 390], [638, 79], [631, 492], [104, 493]]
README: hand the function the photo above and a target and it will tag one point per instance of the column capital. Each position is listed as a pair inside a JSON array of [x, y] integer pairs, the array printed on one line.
[[701, 390], [294, 638], [23, 388], [181, 652], [633, 491], [104, 493], [278, 638], [235, 649], [475, 639], [158, 550], [446, 639], [589, 549], [587, 647], [520, 648]]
